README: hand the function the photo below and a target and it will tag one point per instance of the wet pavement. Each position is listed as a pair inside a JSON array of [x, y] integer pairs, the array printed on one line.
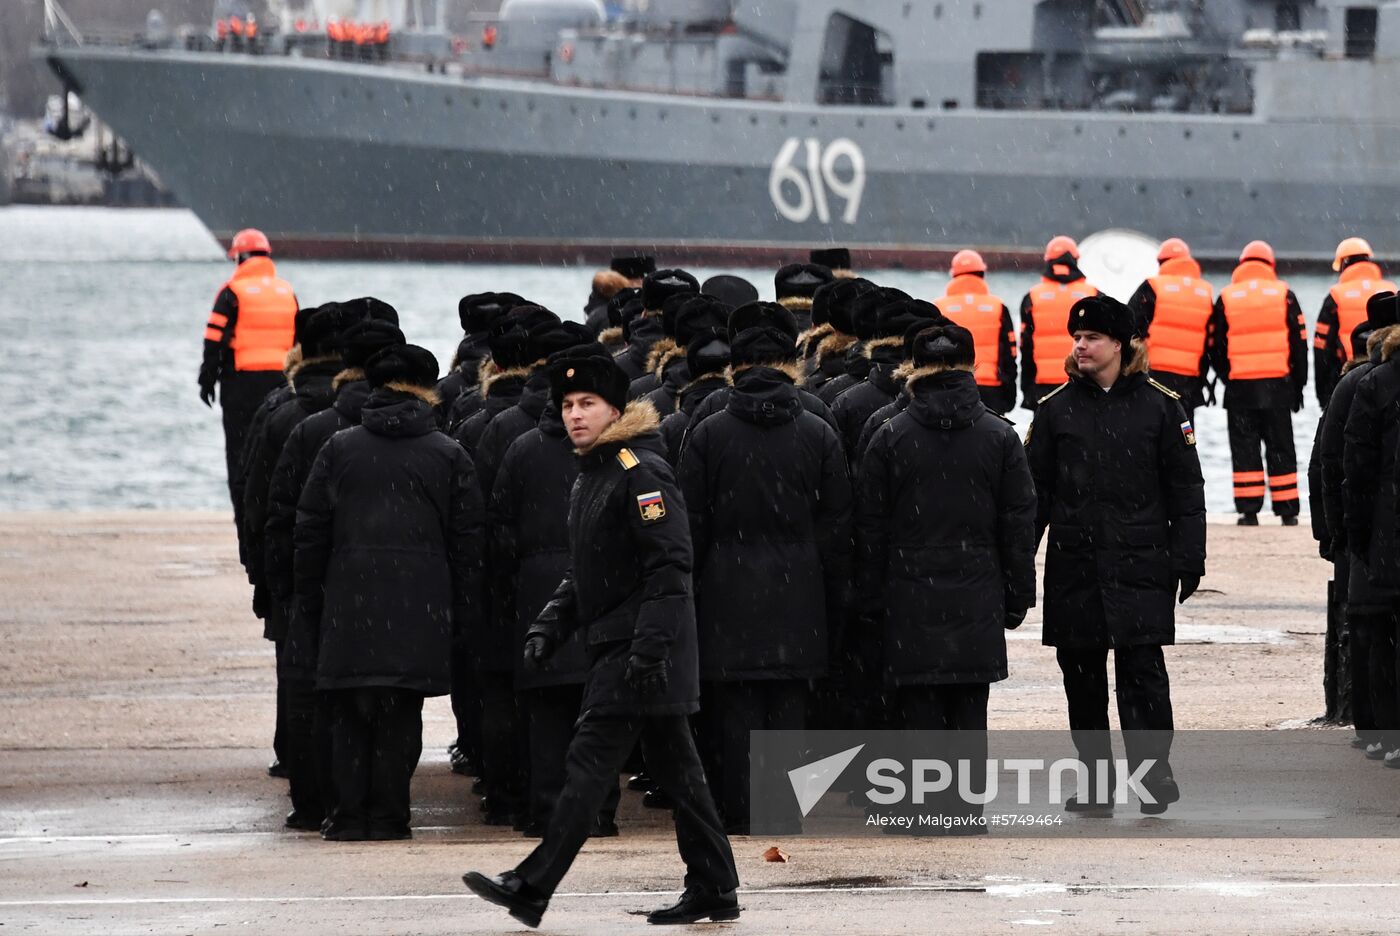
[[136, 707]]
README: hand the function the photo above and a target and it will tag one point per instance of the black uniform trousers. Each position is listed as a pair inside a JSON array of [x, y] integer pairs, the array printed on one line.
[[1374, 680], [1363, 626], [504, 747], [552, 712], [1144, 706], [240, 395], [308, 747], [599, 748], [466, 705], [728, 712], [376, 740], [952, 707], [1273, 429]]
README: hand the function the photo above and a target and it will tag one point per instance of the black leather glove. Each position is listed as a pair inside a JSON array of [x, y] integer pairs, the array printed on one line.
[[1014, 618], [1324, 549], [538, 648], [206, 388], [1188, 585], [646, 676], [261, 602], [1298, 402]]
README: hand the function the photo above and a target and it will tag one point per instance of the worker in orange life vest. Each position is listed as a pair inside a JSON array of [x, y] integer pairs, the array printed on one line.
[[1259, 347], [1343, 310], [246, 339], [1173, 310], [969, 303], [1045, 338]]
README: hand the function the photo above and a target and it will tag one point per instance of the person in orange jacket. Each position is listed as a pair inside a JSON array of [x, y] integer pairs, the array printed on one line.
[[1258, 344], [1045, 340], [968, 302], [1173, 310], [1343, 310], [246, 341]]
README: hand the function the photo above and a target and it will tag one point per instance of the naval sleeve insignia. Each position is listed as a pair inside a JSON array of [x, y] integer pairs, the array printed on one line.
[[626, 459], [1188, 432], [651, 506]]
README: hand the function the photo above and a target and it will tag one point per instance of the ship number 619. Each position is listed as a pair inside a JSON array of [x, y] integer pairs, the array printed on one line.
[[821, 177]]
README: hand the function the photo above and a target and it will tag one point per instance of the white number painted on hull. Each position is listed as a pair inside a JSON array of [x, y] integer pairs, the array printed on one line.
[[821, 177]]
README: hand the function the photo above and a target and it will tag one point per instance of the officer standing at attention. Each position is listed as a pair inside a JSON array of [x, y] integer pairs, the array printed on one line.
[[1172, 311], [246, 340], [1118, 484], [1259, 347], [628, 589]]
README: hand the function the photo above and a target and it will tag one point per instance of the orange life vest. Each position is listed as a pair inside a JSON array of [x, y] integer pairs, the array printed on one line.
[[1358, 283], [267, 310], [1256, 322], [970, 304], [1049, 309], [1177, 337]]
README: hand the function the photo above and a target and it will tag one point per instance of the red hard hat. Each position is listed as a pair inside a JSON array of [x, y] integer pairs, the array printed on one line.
[[968, 261], [1059, 246], [1257, 250], [1173, 249], [249, 240]]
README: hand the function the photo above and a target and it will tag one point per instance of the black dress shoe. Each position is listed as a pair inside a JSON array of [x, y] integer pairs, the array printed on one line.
[[302, 822], [275, 769], [639, 782], [478, 787], [339, 832], [657, 799], [390, 835], [1164, 791], [1375, 751], [1247, 520], [1089, 807], [1359, 743], [1290, 521], [696, 905], [606, 828], [509, 890]]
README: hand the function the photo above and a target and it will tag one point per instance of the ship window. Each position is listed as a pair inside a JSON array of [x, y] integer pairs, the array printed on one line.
[[1361, 32], [1287, 18], [857, 63]]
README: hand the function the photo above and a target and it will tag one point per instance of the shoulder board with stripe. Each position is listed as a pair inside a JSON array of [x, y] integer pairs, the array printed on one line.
[[1052, 392], [627, 460], [1171, 393]]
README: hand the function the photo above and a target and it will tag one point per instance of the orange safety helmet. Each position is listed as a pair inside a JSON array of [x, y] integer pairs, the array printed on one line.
[[967, 261], [1351, 247], [1257, 250], [1060, 245], [1173, 248], [249, 240]]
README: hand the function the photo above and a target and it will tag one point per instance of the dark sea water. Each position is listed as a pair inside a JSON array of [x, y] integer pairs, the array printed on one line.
[[102, 316]]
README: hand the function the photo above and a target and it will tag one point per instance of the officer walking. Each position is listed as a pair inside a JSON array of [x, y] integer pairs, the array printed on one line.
[[246, 341], [628, 589], [1259, 346], [968, 302], [1172, 311], [1045, 344], [1119, 487]]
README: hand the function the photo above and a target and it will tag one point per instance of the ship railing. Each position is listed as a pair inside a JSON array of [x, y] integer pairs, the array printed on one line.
[[58, 26]]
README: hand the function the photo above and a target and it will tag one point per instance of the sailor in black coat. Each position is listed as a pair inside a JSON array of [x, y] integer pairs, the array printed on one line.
[[946, 548], [707, 357], [513, 363], [692, 315], [477, 312], [766, 487], [628, 591], [388, 567], [823, 346], [649, 328], [1119, 487], [306, 718]]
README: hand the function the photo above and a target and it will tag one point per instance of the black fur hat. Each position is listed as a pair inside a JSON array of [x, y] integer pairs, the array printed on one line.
[[479, 311], [762, 332], [762, 315], [363, 340], [634, 268], [707, 352], [832, 303], [509, 338], [865, 310], [587, 369], [894, 319], [663, 283], [1105, 315], [734, 291], [321, 333], [619, 301], [800, 280], [369, 307], [698, 313], [947, 345], [405, 364], [833, 258], [549, 338]]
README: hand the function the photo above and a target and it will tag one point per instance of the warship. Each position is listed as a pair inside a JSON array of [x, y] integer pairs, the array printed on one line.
[[737, 131]]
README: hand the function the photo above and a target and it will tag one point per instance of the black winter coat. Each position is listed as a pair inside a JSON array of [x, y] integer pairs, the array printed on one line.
[[719, 399], [628, 585], [499, 393], [688, 400], [529, 527], [1119, 487], [1369, 485], [855, 365], [642, 334], [827, 361], [312, 385], [388, 549], [874, 423], [770, 512], [665, 355], [857, 404], [293, 468], [464, 375], [675, 374], [1332, 465], [238, 484], [945, 527], [507, 426]]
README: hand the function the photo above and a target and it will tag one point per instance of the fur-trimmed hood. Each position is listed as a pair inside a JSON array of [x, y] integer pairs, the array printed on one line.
[[808, 341], [638, 419], [290, 360], [611, 336], [796, 303], [496, 376], [346, 376], [910, 375], [1389, 342], [427, 394], [1136, 363], [835, 344], [400, 411], [791, 369], [662, 353], [303, 363], [1376, 339]]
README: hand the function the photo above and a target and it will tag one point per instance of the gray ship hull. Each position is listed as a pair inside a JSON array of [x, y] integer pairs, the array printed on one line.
[[344, 160]]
